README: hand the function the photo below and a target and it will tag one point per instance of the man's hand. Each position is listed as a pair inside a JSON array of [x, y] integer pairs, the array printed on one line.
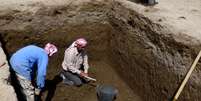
[[37, 91], [82, 74]]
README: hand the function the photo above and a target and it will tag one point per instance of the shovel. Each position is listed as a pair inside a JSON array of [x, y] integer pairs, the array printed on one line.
[[187, 77]]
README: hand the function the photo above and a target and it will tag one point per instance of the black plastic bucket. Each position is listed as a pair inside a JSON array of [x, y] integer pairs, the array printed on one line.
[[106, 93], [152, 2]]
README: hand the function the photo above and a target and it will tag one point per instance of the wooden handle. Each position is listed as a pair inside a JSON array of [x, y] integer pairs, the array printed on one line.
[[187, 77], [90, 78]]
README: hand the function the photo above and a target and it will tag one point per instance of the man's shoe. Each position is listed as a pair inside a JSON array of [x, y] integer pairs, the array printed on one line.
[[62, 76]]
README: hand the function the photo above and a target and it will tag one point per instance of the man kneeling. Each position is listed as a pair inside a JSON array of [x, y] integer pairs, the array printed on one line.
[[75, 63]]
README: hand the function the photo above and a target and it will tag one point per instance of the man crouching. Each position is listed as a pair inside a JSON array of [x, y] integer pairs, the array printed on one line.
[[75, 63]]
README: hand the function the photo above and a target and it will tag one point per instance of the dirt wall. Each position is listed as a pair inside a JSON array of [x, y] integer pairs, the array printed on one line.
[[152, 59]]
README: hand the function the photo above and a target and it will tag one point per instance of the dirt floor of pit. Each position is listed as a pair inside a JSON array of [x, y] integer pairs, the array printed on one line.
[[102, 70]]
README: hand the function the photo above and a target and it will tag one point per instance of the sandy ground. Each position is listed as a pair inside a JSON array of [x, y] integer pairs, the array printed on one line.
[[32, 4], [4, 73], [182, 16]]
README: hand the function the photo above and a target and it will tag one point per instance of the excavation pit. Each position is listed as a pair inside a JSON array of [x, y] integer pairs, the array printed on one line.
[[142, 59]]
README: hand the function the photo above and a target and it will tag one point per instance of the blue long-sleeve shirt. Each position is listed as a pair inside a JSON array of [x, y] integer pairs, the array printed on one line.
[[24, 60]]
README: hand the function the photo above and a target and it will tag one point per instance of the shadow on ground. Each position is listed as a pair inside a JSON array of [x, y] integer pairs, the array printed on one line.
[[51, 86]]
